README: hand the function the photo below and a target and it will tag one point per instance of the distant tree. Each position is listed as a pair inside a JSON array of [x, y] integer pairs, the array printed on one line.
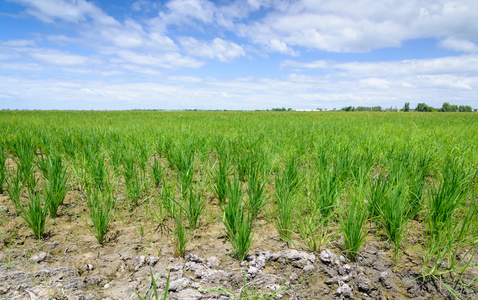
[[289, 109], [447, 107], [421, 107], [406, 107], [465, 108], [376, 108]]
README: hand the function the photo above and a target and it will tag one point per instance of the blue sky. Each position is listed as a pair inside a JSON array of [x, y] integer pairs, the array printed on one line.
[[254, 54]]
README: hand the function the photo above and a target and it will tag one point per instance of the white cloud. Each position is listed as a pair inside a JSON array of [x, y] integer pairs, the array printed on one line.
[[445, 65], [218, 48], [163, 60], [362, 25], [459, 45], [58, 57]]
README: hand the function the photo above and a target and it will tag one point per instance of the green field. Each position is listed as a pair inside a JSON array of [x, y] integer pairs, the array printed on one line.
[[407, 181]]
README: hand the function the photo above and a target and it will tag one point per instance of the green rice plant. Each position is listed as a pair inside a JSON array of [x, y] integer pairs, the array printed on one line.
[[448, 196], [15, 189], [55, 183], [257, 198], [326, 191], [25, 151], [233, 209], [352, 223], [243, 162], [194, 207], [244, 236], [133, 180], [378, 190], [36, 214], [167, 195], [221, 178], [153, 289], [456, 236], [182, 160], [291, 177], [42, 163], [102, 207], [93, 160], [157, 172], [417, 182], [3, 168], [394, 214], [285, 208], [313, 231], [180, 235], [238, 223]]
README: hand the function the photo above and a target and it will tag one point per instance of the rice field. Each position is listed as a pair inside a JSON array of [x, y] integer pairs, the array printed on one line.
[[312, 180]]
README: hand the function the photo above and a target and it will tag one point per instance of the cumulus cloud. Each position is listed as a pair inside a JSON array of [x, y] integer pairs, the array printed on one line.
[[218, 48], [362, 25], [459, 45], [464, 64]]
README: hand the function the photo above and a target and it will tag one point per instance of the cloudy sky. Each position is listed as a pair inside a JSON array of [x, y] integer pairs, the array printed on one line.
[[254, 54]]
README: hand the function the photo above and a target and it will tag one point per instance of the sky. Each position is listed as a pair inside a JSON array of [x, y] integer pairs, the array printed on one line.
[[249, 54]]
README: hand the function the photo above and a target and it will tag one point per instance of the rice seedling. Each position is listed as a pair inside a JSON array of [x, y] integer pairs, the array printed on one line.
[[3, 168], [157, 172], [102, 207], [448, 196], [394, 215], [15, 189], [352, 223], [313, 231], [417, 182], [133, 180], [221, 178], [326, 190], [180, 235], [244, 236], [167, 195], [257, 197], [25, 151], [285, 210], [153, 289], [378, 190], [182, 160], [55, 183], [194, 207], [36, 214], [233, 210]]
